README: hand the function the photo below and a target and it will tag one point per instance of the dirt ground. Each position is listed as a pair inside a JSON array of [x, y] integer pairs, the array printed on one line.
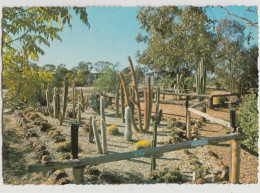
[[19, 151]]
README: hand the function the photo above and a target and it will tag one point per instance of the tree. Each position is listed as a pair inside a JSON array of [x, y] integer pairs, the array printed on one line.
[[230, 34], [249, 77], [108, 81], [24, 30], [82, 71], [177, 38]]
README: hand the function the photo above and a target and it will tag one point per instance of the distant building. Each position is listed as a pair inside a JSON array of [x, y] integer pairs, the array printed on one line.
[[92, 77]]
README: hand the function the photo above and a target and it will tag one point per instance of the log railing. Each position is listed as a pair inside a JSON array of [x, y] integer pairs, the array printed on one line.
[[235, 145]]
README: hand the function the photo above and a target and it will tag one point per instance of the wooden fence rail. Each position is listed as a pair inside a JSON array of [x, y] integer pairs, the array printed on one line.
[[128, 155]]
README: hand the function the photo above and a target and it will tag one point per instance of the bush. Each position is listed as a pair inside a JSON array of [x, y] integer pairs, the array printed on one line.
[[112, 130], [247, 119], [63, 146], [219, 100], [167, 176], [189, 81], [142, 145]]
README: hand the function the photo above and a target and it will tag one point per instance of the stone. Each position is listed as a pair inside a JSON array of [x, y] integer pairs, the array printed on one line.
[[211, 178], [58, 174], [200, 181], [45, 159], [195, 176]]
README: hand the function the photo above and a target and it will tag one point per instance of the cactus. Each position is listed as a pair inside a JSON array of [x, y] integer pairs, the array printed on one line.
[[65, 97], [95, 102], [137, 102], [158, 114], [142, 145], [79, 112], [56, 103], [117, 102], [48, 100], [163, 88], [91, 132], [112, 130], [83, 103], [127, 100], [94, 125], [201, 79], [102, 108], [122, 103], [128, 129], [73, 101], [148, 105], [60, 119], [103, 136]]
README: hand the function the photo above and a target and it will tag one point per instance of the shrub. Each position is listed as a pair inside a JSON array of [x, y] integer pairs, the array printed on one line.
[[142, 145], [219, 100], [63, 146], [112, 130], [167, 176], [54, 133], [247, 119]]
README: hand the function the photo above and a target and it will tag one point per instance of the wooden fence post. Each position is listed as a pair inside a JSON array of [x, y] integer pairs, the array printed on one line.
[[203, 109], [77, 171], [211, 102], [154, 141], [187, 105], [235, 170], [232, 120]]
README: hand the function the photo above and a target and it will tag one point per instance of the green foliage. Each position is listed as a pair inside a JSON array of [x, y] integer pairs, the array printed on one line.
[[189, 81], [95, 102], [63, 146], [24, 31], [178, 37], [108, 81], [168, 176], [247, 119], [167, 81]]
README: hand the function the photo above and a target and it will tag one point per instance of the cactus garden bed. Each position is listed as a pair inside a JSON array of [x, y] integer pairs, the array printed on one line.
[[39, 146]]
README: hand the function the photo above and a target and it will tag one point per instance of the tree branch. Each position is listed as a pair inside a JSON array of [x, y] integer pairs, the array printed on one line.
[[243, 18], [18, 37]]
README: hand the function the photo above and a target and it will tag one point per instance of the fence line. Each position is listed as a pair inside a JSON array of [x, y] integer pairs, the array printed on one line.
[[128, 155]]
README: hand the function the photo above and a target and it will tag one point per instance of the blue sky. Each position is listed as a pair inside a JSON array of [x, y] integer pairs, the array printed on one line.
[[111, 36]]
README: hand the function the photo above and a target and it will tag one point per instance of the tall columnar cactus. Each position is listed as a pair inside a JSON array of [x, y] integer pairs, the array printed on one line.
[[73, 101], [136, 100], [83, 103], [65, 97], [163, 88], [94, 126], [122, 103], [48, 99], [102, 108], [157, 100], [148, 100], [201, 79], [79, 112], [127, 100], [55, 104], [91, 132], [103, 136], [117, 102], [128, 128]]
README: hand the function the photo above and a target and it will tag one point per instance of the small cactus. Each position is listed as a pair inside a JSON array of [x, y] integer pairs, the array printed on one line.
[[117, 102], [112, 130], [128, 128], [142, 145]]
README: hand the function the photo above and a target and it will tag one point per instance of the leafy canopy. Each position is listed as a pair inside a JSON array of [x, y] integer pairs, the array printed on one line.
[[25, 30]]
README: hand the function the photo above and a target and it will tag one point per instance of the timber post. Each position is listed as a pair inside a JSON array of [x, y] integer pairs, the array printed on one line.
[[211, 102], [203, 109], [78, 172]]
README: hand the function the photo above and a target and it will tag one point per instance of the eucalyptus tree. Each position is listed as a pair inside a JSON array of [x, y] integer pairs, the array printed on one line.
[[229, 53], [24, 30], [176, 38]]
